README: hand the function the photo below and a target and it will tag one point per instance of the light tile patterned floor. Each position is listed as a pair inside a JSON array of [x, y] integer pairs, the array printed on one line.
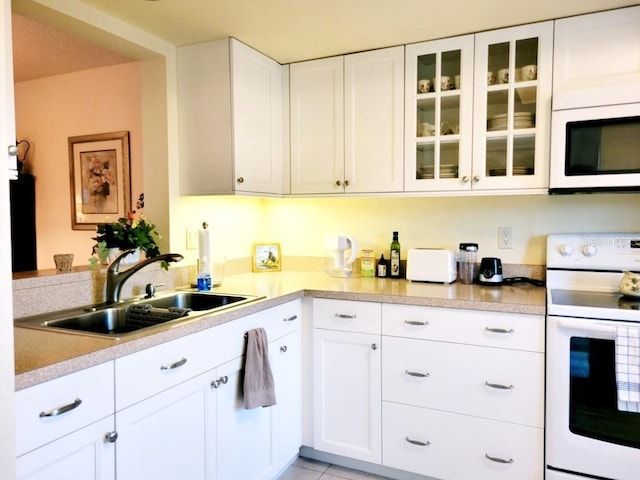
[[306, 469]]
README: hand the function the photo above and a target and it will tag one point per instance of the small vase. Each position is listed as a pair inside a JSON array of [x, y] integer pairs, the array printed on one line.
[[130, 259]]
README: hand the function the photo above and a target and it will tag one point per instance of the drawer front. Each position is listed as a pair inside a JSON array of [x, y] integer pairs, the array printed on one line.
[[494, 383], [53, 409], [173, 362], [447, 445], [347, 316], [492, 329]]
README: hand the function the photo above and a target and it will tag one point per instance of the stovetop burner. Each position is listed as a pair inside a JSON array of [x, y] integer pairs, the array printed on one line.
[[594, 299]]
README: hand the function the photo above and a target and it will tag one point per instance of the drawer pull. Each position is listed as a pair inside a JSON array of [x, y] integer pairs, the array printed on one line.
[[499, 330], [344, 315], [498, 386], [174, 365], [416, 323], [61, 410], [221, 381], [290, 319], [417, 442], [111, 437], [498, 459], [283, 349], [417, 374]]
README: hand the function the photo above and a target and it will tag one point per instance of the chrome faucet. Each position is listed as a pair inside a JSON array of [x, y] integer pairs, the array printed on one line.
[[116, 279]]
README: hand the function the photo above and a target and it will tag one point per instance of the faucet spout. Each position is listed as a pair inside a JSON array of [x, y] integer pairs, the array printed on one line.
[[115, 278]]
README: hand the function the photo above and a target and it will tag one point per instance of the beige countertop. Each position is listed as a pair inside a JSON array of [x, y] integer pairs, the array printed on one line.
[[42, 356]]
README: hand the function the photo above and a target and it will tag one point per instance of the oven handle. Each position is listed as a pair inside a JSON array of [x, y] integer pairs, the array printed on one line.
[[587, 326]]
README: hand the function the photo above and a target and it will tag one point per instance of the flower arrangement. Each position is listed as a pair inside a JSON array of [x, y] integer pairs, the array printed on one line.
[[131, 231]]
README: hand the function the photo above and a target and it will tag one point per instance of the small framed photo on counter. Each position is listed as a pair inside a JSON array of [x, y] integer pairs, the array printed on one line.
[[266, 257]]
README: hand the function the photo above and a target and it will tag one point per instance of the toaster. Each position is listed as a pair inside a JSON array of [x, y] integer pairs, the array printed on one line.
[[431, 265]]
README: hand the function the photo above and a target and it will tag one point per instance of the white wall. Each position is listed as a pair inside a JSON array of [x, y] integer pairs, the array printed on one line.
[[50, 110], [300, 225]]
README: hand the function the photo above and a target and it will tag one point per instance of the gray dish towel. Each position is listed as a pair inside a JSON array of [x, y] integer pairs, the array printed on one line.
[[259, 389]]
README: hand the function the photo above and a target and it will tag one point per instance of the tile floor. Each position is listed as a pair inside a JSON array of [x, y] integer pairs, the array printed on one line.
[[306, 469]]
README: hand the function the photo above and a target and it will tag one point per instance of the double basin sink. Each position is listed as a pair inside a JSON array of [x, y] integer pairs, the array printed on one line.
[[122, 319]]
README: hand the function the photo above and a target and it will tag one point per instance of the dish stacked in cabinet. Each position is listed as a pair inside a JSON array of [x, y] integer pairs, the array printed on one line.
[[462, 393]]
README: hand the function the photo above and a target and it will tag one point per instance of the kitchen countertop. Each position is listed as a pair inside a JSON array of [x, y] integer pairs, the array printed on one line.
[[42, 356]]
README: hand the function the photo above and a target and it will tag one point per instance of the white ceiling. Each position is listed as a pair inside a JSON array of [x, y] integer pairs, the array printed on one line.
[[294, 30]]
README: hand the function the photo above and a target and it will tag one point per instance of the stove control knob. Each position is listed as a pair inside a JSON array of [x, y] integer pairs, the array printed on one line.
[[566, 250], [589, 250]]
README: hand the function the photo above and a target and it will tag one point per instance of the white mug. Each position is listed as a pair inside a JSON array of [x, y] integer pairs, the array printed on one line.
[[491, 78], [503, 75], [424, 85], [427, 130], [529, 72], [445, 83], [456, 82]]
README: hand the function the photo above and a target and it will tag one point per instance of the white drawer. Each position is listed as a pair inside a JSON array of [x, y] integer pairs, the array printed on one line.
[[166, 365], [458, 446], [494, 383], [80, 398], [347, 316], [493, 329]]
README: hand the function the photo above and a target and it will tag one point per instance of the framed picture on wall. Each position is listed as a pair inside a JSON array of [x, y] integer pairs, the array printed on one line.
[[100, 175], [266, 257]]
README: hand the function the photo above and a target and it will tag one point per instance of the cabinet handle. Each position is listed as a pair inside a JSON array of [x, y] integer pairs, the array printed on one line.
[[499, 386], [61, 410], [290, 319], [111, 437], [283, 349], [498, 459], [465, 179], [13, 150], [240, 180], [221, 381], [344, 315], [476, 178], [499, 330], [374, 346], [417, 374], [416, 323], [346, 183], [177, 364], [338, 183], [417, 442]]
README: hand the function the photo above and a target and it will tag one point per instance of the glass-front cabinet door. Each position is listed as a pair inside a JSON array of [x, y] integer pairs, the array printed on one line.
[[438, 114], [512, 108]]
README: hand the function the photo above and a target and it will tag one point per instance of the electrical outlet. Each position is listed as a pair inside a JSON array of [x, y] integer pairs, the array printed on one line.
[[505, 237], [192, 239]]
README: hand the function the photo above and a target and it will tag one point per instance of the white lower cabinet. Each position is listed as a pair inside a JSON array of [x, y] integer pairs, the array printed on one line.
[[446, 445], [86, 454], [346, 373]]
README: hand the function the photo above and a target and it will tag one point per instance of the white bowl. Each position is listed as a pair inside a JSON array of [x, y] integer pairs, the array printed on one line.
[[630, 284]]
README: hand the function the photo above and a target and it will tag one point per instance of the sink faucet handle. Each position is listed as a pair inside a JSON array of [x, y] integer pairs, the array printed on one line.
[[150, 289]]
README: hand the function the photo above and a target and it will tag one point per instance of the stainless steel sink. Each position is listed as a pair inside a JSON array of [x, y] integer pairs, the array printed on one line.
[[126, 318]]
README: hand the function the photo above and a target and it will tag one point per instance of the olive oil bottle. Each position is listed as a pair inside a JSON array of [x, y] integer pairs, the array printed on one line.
[[394, 257]]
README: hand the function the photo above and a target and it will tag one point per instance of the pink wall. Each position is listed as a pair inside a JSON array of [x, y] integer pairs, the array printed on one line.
[[50, 110]]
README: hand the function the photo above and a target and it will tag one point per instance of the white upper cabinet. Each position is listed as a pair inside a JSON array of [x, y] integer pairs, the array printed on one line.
[[597, 59], [347, 123], [230, 101], [438, 114], [317, 126], [512, 109]]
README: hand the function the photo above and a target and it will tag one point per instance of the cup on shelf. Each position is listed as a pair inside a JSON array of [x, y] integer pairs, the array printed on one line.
[[445, 83], [427, 130], [529, 72], [491, 78], [424, 85], [503, 75], [456, 82]]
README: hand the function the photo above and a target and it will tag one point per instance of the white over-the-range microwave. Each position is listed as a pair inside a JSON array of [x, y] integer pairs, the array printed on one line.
[[595, 148]]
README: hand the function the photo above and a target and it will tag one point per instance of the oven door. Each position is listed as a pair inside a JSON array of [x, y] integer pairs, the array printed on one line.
[[595, 149], [585, 432]]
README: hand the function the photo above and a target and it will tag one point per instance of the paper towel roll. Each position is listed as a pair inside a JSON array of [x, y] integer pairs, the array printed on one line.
[[204, 243]]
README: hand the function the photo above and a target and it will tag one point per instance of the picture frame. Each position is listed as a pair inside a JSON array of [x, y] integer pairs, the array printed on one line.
[[100, 178], [266, 257]]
